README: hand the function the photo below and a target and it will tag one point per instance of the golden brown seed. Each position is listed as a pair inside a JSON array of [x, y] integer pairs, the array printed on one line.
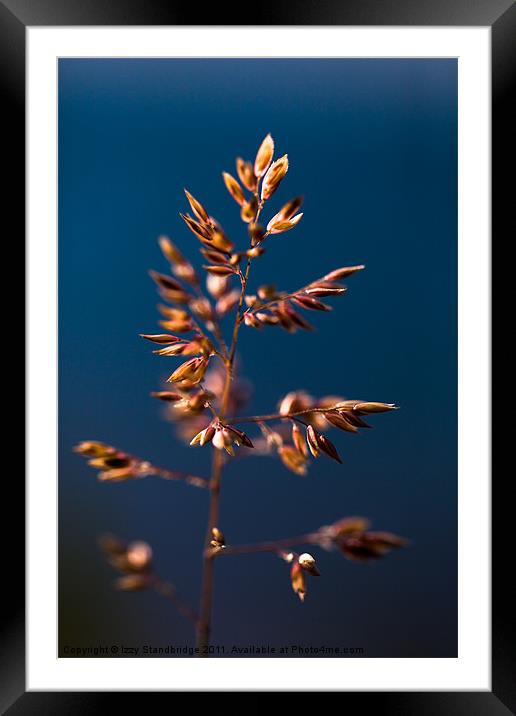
[[234, 188], [299, 440], [272, 179], [292, 459], [219, 270], [264, 156], [159, 337], [197, 208], [283, 225], [344, 272], [298, 581], [249, 209], [246, 174]]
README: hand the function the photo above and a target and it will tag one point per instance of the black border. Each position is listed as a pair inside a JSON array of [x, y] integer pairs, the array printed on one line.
[[15, 16]]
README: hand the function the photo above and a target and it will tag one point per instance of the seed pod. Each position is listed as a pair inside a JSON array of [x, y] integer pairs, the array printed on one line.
[[170, 252], [251, 321], [264, 156], [322, 291], [311, 439], [197, 208], [374, 407], [173, 296], [266, 318], [292, 459], [255, 252], [217, 285], [219, 270], [234, 188], [167, 396], [307, 562], [327, 447], [298, 580], [165, 282], [286, 212], [193, 370], [202, 308], [256, 232], [294, 402], [272, 179], [284, 225], [299, 440], [165, 338], [341, 422], [344, 272], [311, 304], [227, 303], [202, 231], [177, 326], [204, 437], [249, 209], [214, 256], [93, 448], [117, 474], [246, 174]]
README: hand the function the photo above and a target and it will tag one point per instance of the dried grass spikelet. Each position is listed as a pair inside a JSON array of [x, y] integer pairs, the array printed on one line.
[[217, 286], [204, 436], [344, 272], [219, 270], [178, 320], [307, 563], [286, 212], [317, 443], [167, 396], [93, 448], [180, 267], [256, 232], [234, 188], [324, 291], [246, 174], [264, 156], [219, 239], [114, 465], [298, 580], [249, 209], [162, 338], [295, 401], [367, 546], [227, 303], [197, 208], [280, 227], [298, 440], [201, 231], [341, 421], [293, 459], [193, 371], [310, 303], [274, 176]]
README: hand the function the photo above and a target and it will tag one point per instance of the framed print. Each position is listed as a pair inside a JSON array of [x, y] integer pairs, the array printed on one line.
[[248, 244]]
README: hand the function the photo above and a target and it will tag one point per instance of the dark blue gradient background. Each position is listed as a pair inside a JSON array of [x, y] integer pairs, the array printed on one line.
[[373, 147]]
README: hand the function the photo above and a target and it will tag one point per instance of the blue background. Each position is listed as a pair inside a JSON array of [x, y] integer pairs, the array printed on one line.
[[373, 148]]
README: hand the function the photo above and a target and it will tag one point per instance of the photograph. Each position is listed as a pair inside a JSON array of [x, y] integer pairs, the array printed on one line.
[[257, 357]]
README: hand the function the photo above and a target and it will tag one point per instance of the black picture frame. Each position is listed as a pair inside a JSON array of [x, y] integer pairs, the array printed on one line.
[[15, 17]]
